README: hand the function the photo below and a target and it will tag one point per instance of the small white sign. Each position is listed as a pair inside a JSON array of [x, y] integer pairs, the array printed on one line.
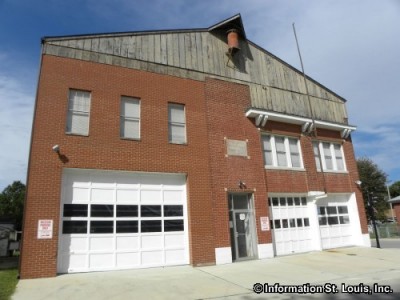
[[45, 229], [236, 148], [264, 223], [242, 217]]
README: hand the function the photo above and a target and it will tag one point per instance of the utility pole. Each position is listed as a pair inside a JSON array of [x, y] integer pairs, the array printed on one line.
[[391, 205]]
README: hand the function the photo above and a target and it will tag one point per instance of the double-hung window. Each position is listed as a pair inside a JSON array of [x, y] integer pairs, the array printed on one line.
[[130, 118], [280, 151], [78, 112], [331, 155], [176, 123]]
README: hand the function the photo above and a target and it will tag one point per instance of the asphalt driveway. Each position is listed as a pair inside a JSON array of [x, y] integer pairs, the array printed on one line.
[[352, 272]]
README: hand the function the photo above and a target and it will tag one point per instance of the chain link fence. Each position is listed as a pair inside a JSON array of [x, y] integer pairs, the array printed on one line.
[[387, 230]]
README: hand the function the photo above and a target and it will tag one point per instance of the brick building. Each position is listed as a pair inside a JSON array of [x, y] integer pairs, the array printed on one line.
[[183, 147]]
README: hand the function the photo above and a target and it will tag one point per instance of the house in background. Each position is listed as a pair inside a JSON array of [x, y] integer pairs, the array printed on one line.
[[395, 211], [177, 147], [7, 235]]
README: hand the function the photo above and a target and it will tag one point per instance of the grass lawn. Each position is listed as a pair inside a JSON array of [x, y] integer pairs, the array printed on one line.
[[8, 282]]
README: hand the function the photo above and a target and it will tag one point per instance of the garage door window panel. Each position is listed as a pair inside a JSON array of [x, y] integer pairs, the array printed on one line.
[[75, 210], [127, 211], [150, 211], [102, 210], [173, 225], [173, 210], [101, 227], [70, 227], [127, 227], [150, 226]]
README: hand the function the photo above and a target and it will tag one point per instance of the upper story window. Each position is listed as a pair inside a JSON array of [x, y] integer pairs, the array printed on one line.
[[176, 123], [280, 151], [331, 155], [78, 112], [130, 118]]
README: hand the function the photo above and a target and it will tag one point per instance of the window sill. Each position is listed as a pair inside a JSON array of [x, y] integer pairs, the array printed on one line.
[[130, 139], [76, 134], [182, 144], [284, 169], [333, 172]]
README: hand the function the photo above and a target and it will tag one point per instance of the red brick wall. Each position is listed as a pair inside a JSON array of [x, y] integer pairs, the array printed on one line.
[[103, 148], [226, 106]]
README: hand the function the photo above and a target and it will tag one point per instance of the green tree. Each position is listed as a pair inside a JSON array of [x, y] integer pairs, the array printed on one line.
[[373, 187], [12, 202], [395, 189]]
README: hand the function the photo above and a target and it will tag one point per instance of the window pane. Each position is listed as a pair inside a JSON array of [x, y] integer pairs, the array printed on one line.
[[285, 223], [321, 210], [275, 202], [290, 201], [316, 156], [75, 210], [280, 151], [338, 155], [266, 142], [173, 225], [292, 223], [333, 220], [130, 107], [102, 210], [282, 201], [150, 226], [306, 222], [78, 123], [295, 160], [127, 226], [101, 226], [303, 201], [331, 210], [177, 133], [294, 153], [127, 210], [344, 220], [74, 227], [327, 155], [78, 112], [322, 221], [299, 222], [277, 224], [173, 210], [342, 209], [130, 128], [150, 210], [297, 201], [176, 113]]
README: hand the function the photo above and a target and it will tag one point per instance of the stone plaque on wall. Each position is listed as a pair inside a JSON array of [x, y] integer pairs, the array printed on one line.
[[236, 148]]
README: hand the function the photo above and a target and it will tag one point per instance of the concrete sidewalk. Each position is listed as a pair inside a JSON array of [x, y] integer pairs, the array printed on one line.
[[350, 266]]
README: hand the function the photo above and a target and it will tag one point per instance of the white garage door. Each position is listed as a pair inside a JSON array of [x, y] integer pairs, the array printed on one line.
[[334, 223], [291, 225], [120, 220]]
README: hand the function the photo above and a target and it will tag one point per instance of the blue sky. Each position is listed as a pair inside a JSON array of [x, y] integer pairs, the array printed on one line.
[[351, 46]]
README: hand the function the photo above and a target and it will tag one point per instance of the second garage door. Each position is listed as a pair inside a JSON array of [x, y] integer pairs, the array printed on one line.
[[120, 220]]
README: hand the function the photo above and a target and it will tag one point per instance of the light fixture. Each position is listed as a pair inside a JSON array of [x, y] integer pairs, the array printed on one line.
[[358, 182], [56, 149]]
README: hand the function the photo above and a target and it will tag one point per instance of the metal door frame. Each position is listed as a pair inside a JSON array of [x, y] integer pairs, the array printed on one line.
[[232, 213]]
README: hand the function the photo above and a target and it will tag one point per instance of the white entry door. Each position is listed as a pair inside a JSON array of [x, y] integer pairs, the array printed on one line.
[[120, 220], [290, 225]]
